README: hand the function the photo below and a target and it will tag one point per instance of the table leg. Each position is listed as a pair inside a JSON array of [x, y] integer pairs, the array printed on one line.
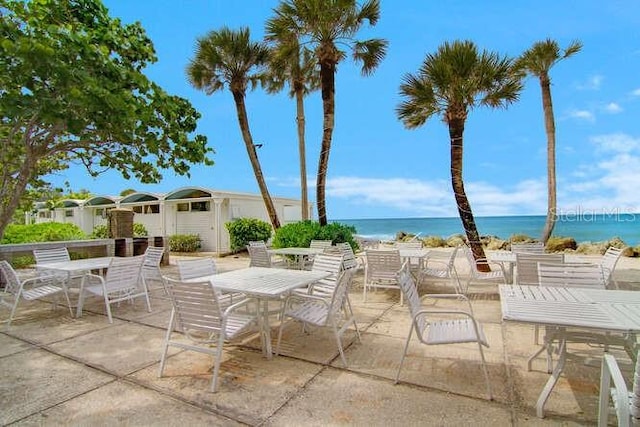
[[557, 371], [266, 330]]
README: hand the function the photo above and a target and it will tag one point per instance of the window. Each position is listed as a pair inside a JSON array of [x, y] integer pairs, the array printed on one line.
[[99, 212], [137, 209], [200, 207], [44, 214], [183, 207], [152, 209], [68, 213]]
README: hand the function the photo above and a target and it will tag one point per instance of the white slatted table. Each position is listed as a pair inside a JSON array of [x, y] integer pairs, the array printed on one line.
[[87, 264], [264, 284], [594, 310]]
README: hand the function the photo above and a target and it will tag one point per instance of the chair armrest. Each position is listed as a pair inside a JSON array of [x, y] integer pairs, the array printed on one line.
[[459, 297], [461, 312], [428, 261], [619, 386], [238, 304], [86, 278]]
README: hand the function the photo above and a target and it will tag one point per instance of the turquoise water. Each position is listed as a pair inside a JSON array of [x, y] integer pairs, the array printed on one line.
[[583, 227]]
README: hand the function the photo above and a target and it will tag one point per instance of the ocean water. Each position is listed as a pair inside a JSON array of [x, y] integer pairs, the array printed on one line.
[[582, 227]]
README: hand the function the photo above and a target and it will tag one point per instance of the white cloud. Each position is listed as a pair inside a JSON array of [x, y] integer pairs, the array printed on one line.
[[616, 142], [612, 108], [582, 115], [592, 83], [636, 92]]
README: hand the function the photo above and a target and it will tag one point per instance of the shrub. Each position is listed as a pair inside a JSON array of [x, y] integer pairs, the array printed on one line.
[[184, 243], [434, 242], [102, 231], [23, 261], [244, 230], [44, 232], [300, 234]]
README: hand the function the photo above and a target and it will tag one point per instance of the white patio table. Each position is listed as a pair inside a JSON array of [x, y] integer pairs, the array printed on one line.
[[508, 261], [594, 310], [86, 264], [264, 284], [300, 254]]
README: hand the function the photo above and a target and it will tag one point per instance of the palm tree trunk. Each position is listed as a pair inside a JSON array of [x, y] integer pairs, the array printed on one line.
[[300, 120], [327, 81], [456, 129], [238, 97], [550, 128]]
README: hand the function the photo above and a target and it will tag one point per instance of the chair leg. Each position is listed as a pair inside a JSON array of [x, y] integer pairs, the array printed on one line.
[[108, 305], [216, 366], [485, 371], [13, 309], [603, 399], [167, 337], [340, 349], [404, 353]]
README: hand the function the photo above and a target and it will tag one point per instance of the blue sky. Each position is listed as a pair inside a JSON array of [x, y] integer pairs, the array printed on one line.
[[379, 169]]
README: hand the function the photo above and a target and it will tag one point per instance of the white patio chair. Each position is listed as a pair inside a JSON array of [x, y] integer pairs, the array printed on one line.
[[44, 256], [260, 257], [151, 266], [199, 316], [320, 244], [349, 259], [495, 274], [435, 326], [573, 275], [626, 404], [322, 312], [331, 263], [527, 266], [381, 270], [441, 270], [123, 282], [528, 248], [29, 289], [608, 263], [201, 267]]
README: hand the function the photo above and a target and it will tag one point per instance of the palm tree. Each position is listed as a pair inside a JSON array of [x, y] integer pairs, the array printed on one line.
[[296, 65], [229, 58], [451, 82], [323, 25], [537, 61]]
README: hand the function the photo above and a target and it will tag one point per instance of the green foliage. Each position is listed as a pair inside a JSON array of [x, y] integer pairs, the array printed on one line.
[[434, 242], [45, 232], [23, 261], [244, 230], [300, 234], [102, 231], [184, 243], [74, 78]]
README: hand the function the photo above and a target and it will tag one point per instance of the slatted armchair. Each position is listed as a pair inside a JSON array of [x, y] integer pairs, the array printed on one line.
[[322, 312], [441, 270], [381, 270], [30, 289], [434, 326], [151, 265], [608, 264], [626, 404], [198, 315], [123, 282], [528, 248], [496, 273], [527, 266], [200, 268], [260, 257], [349, 257], [46, 256]]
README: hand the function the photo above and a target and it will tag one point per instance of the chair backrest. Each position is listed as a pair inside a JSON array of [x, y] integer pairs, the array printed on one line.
[[382, 264], [196, 267], [196, 306], [257, 243], [153, 256], [410, 291], [124, 273], [349, 260], [609, 261], [320, 244], [44, 256], [260, 256], [340, 294], [527, 266], [408, 245], [473, 266], [577, 275], [331, 263], [11, 279], [529, 248]]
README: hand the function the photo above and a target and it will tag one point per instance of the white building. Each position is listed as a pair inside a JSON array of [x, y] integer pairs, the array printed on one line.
[[187, 210]]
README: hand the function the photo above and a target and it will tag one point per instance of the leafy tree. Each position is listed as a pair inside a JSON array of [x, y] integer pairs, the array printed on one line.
[[451, 82], [294, 64], [73, 90], [537, 61], [323, 25], [229, 58]]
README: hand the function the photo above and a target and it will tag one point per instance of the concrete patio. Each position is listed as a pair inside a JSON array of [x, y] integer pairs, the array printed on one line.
[[58, 370]]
